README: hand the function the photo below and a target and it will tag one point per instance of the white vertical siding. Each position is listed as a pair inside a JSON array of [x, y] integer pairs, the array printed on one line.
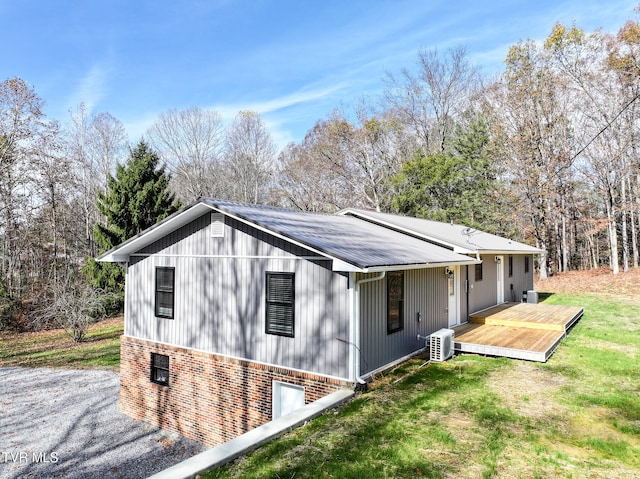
[[519, 281], [220, 302], [483, 294]]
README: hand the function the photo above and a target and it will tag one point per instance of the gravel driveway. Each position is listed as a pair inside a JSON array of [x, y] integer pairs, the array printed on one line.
[[67, 424]]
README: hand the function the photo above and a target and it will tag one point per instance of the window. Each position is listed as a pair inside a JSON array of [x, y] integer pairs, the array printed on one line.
[[526, 264], [479, 272], [510, 266], [160, 369], [286, 398], [280, 304], [165, 292], [395, 301]]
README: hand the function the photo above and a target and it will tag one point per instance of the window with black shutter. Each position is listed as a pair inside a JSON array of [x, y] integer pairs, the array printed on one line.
[[526, 264], [165, 282], [280, 304]]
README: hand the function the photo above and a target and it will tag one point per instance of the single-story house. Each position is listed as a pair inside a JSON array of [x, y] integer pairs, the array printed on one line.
[[236, 314]]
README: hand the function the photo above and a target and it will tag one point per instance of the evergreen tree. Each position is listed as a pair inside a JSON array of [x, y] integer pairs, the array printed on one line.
[[459, 185], [136, 198]]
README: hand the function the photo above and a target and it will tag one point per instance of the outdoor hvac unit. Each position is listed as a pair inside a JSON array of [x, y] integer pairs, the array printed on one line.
[[532, 297], [441, 345]]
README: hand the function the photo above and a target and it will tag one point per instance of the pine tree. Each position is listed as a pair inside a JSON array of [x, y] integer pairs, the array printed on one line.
[[459, 185], [136, 198]]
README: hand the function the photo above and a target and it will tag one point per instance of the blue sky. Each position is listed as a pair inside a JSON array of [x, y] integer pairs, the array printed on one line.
[[293, 61]]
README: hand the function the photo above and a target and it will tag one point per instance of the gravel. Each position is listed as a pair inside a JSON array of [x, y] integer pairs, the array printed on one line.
[[57, 423]]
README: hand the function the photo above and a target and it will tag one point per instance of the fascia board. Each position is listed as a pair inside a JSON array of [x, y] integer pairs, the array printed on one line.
[[121, 252], [398, 267], [508, 252]]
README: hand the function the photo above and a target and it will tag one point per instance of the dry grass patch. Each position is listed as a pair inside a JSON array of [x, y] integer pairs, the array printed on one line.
[[528, 390], [54, 348]]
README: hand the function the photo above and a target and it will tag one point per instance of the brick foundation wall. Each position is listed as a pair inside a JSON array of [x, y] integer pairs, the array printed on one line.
[[210, 399]]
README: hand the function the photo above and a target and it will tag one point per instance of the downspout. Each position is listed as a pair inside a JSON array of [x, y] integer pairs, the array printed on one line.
[[355, 325], [466, 287]]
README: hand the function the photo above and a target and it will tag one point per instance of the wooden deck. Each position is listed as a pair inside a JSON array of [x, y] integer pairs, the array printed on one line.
[[517, 330]]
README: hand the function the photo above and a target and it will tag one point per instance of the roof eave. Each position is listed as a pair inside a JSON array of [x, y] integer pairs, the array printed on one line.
[[398, 267], [121, 253]]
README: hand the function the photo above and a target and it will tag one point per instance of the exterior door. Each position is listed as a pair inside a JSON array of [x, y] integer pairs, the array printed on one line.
[[500, 279], [453, 290]]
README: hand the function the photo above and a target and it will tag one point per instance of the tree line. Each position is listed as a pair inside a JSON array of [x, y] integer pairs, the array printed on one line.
[[544, 152]]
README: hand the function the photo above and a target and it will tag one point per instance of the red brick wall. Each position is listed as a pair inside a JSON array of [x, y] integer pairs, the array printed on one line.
[[210, 398]]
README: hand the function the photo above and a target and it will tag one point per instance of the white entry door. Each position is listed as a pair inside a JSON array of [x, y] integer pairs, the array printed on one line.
[[453, 290], [500, 280]]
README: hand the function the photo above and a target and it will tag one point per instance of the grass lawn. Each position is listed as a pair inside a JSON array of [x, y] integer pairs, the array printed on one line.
[[576, 416], [100, 349]]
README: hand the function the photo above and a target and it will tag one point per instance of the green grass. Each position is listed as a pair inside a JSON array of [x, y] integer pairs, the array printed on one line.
[[578, 415], [100, 349]]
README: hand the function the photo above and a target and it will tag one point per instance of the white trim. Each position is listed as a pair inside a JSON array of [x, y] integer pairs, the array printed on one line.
[[404, 267], [227, 256], [238, 358], [276, 397], [499, 279], [392, 364]]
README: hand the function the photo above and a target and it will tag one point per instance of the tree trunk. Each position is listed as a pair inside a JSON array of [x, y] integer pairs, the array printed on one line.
[[612, 228], [625, 235]]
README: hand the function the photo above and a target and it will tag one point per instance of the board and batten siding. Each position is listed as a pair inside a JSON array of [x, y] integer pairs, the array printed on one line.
[[425, 292], [519, 281], [220, 298], [484, 293]]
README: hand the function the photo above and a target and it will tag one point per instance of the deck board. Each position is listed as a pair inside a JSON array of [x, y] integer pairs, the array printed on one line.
[[516, 330]]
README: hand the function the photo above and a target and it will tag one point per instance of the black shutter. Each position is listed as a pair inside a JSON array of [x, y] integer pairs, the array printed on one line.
[[280, 297]]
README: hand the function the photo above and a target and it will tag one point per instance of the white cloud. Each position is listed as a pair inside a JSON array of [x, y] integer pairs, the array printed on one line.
[[91, 88]]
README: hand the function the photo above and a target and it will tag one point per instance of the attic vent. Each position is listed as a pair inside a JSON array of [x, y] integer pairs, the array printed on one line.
[[217, 225]]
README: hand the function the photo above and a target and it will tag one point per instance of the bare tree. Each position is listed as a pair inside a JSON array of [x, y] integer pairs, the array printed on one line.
[[191, 143], [95, 144], [22, 123], [72, 305], [428, 101], [249, 158]]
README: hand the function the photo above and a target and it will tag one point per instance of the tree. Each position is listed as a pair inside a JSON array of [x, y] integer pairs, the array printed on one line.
[[22, 125], [532, 124], [249, 157], [191, 143], [428, 102], [94, 144], [459, 186], [72, 306], [137, 198]]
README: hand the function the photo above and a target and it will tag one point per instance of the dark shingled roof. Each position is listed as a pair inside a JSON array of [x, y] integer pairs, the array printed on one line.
[[355, 241]]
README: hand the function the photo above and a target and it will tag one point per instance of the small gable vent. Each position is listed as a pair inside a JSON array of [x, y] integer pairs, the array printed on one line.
[[217, 225]]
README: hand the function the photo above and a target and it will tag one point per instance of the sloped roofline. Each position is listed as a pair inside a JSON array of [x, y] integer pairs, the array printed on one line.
[[456, 247], [189, 213]]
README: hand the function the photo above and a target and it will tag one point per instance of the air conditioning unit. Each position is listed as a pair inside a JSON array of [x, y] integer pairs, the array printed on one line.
[[532, 297], [441, 345]]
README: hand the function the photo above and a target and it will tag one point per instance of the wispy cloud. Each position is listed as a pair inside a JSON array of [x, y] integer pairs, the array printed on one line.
[[91, 87], [276, 104]]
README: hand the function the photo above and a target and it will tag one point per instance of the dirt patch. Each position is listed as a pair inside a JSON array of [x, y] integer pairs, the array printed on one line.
[[527, 390]]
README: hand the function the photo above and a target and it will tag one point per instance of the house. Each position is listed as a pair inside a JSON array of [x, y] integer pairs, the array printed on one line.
[[236, 314]]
